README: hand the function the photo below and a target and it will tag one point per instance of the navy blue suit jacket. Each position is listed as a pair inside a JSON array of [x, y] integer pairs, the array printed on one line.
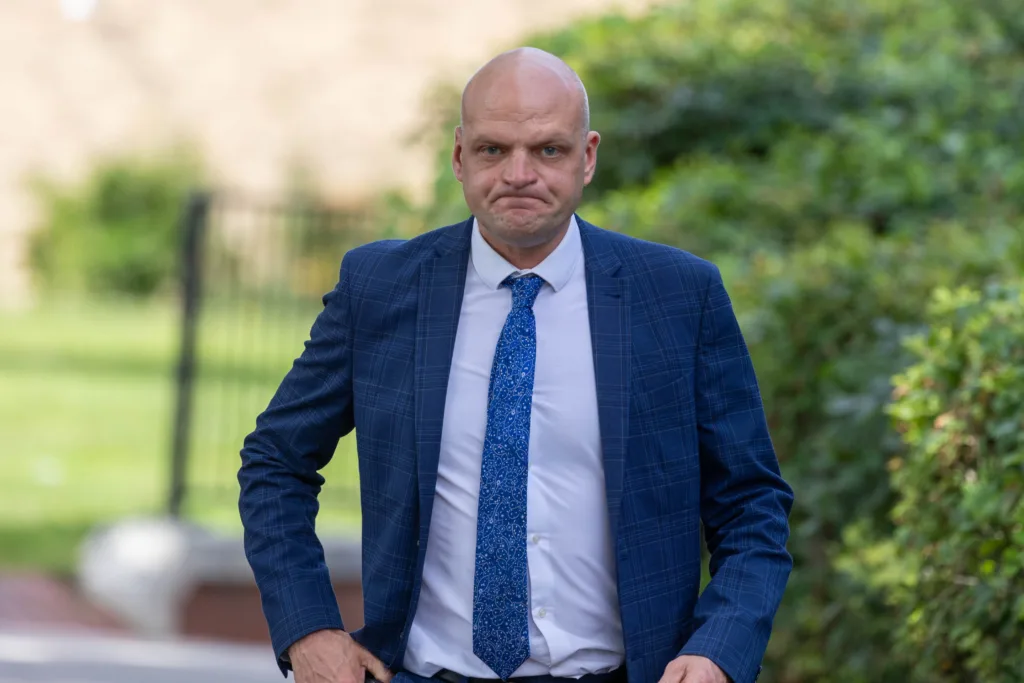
[[683, 436]]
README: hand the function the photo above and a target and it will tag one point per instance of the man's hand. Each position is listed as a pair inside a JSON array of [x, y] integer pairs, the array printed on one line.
[[331, 656], [693, 669]]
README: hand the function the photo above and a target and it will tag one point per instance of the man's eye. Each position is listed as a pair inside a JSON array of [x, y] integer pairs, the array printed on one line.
[[491, 150], [550, 151]]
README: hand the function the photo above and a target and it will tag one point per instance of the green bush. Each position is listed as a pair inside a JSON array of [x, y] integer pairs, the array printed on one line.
[[894, 114], [118, 231], [825, 325], [954, 568]]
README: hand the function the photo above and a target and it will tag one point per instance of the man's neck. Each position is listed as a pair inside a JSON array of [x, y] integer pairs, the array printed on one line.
[[524, 258]]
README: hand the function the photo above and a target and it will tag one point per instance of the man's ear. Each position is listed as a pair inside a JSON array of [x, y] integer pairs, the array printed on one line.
[[457, 154], [590, 156]]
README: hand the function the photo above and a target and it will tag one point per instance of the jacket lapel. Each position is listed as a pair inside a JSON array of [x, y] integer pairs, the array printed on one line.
[[608, 303], [442, 282]]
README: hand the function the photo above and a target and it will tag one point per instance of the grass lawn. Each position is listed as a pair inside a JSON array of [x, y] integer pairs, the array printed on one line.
[[86, 396]]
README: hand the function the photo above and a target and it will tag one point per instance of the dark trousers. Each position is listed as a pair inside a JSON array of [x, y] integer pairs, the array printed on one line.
[[617, 676]]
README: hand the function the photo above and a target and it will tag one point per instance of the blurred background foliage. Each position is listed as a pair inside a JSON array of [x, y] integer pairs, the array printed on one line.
[[855, 169], [957, 581], [116, 233]]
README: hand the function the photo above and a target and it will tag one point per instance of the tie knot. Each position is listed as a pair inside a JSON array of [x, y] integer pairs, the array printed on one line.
[[524, 289]]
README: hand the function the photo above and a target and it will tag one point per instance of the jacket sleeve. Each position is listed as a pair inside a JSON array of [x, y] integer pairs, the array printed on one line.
[[294, 438], [745, 503]]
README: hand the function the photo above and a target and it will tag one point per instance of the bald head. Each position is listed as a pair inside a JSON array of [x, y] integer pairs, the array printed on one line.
[[544, 74]]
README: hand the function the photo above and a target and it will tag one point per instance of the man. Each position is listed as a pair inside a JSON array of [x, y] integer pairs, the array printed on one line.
[[544, 414]]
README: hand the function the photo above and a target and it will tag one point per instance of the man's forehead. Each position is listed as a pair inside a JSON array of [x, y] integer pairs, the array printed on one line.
[[521, 100], [523, 112], [538, 129]]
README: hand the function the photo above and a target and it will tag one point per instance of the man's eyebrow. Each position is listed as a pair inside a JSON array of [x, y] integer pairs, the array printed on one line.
[[552, 139], [558, 139]]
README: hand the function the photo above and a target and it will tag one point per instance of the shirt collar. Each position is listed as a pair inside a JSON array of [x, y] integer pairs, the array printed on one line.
[[556, 269]]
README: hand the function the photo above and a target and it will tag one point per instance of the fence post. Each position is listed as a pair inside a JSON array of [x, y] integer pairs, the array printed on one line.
[[194, 220]]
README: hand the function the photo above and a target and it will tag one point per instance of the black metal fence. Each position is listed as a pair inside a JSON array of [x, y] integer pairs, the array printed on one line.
[[252, 280]]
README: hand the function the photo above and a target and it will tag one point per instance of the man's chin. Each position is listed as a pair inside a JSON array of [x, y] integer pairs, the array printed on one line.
[[526, 232], [522, 219]]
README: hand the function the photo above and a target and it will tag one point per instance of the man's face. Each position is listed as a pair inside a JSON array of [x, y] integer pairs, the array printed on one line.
[[523, 159]]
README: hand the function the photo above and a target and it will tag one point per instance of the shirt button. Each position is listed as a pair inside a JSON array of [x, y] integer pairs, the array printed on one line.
[[536, 538], [542, 612]]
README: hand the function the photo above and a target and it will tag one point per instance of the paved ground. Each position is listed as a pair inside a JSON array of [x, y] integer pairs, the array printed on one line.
[[84, 656], [43, 601], [49, 634]]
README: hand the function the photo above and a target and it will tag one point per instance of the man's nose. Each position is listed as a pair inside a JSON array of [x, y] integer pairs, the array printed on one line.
[[519, 170]]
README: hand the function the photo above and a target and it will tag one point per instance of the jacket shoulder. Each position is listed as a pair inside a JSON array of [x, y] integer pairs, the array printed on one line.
[[642, 258], [397, 256]]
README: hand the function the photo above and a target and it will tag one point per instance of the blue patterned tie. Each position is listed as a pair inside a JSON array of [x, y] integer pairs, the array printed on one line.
[[501, 635]]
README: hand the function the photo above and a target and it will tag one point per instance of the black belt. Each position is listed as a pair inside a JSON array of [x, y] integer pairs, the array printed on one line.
[[617, 676]]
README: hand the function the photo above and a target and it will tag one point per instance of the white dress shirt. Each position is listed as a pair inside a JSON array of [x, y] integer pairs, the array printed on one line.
[[575, 627]]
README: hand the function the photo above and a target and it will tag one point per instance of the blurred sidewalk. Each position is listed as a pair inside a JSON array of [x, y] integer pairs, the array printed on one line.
[[49, 635], [48, 656], [41, 601]]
